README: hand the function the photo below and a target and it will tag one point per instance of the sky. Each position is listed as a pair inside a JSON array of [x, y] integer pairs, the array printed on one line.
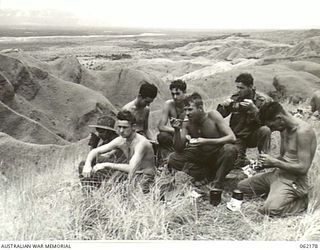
[[184, 14]]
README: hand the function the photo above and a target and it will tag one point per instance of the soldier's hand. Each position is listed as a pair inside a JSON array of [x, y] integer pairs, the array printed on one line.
[[226, 102], [86, 172], [176, 123], [98, 167], [196, 141], [248, 105], [267, 160]]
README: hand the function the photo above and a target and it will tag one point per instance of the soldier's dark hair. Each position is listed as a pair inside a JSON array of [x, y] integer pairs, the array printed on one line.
[[194, 98], [269, 111], [125, 115], [148, 90], [178, 84], [246, 79]]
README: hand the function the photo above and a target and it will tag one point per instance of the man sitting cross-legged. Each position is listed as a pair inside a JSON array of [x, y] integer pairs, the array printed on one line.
[[207, 155], [137, 149], [286, 184]]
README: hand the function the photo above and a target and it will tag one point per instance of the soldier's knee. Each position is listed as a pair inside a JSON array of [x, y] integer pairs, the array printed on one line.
[[243, 185], [164, 137], [175, 161], [265, 131], [230, 150], [273, 208]]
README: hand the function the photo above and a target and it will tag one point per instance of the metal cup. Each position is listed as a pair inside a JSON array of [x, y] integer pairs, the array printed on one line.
[[237, 194], [215, 196], [236, 200]]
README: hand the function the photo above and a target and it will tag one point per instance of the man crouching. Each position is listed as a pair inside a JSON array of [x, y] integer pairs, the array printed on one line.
[[207, 154], [286, 184], [137, 149]]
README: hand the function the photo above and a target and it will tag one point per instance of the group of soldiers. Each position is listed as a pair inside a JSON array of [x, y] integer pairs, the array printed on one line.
[[203, 145]]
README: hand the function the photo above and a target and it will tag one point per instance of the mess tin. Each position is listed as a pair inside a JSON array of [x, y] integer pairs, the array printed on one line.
[[237, 194], [215, 196]]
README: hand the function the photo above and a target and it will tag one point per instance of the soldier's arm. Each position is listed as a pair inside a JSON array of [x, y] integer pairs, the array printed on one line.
[[253, 112], [282, 149], [305, 138], [97, 151], [163, 127], [179, 136], [146, 124], [137, 157], [130, 167], [223, 110]]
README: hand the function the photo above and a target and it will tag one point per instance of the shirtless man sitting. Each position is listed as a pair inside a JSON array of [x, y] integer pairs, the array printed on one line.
[[207, 155], [137, 149], [139, 107], [173, 108], [286, 184]]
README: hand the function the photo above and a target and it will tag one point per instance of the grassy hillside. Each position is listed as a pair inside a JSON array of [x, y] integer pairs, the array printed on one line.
[[46, 203]]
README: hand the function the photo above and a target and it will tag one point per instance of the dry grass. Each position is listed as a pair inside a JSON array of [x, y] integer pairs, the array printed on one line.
[[49, 205]]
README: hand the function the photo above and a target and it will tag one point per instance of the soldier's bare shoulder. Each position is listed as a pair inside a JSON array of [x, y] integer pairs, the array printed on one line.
[[119, 141], [213, 114], [305, 128], [144, 142], [169, 103]]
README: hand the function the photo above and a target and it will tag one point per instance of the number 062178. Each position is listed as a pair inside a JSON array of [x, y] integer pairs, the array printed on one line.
[[309, 245]]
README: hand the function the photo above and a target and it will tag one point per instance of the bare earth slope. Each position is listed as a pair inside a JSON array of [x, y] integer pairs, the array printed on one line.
[[119, 84], [26, 129], [63, 107]]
